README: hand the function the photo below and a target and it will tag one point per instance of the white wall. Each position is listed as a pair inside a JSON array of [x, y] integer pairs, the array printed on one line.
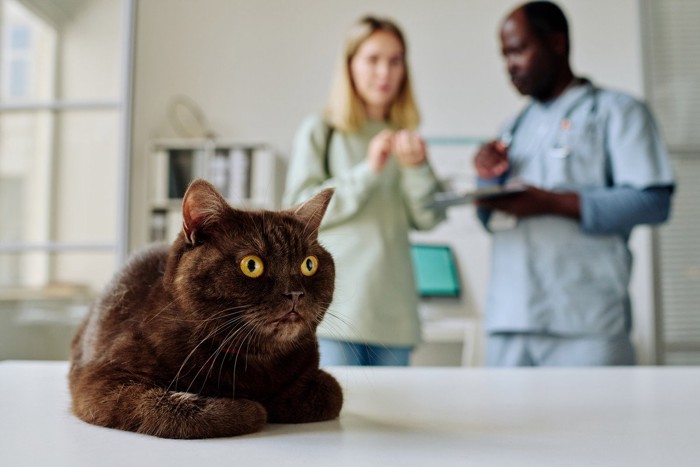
[[258, 67]]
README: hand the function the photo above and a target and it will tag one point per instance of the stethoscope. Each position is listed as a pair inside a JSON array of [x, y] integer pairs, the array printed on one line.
[[563, 144]]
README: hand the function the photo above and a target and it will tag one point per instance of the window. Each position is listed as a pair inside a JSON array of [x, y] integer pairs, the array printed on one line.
[[63, 139]]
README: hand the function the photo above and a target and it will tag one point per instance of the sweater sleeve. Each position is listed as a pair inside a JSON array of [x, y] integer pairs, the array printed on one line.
[[306, 176], [419, 186]]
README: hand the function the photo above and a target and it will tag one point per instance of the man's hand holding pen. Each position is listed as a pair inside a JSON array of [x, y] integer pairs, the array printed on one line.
[[492, 160]]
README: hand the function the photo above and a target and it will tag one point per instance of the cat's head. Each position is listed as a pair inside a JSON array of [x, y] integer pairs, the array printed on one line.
[[255, 279]]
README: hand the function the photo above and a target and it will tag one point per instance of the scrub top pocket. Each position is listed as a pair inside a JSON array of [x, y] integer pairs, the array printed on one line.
[[577, 157]]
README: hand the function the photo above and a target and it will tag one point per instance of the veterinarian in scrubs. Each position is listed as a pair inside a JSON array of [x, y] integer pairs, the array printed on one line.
[[595, 166]]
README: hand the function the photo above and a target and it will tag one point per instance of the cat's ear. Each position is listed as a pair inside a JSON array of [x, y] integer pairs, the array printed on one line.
[[312, 211], [201, 206]]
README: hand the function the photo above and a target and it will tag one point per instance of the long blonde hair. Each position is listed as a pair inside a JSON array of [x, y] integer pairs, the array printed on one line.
[[345, 110]]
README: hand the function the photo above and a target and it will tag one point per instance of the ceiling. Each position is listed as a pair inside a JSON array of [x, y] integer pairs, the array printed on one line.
[[57, 12]]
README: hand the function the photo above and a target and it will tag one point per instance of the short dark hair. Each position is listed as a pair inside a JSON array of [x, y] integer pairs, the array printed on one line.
[[546, 18]]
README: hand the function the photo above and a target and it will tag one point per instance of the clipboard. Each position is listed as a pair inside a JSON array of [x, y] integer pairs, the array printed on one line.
[[447, 199]]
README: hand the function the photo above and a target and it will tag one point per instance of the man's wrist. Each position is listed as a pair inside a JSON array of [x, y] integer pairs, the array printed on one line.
[[567, 204]]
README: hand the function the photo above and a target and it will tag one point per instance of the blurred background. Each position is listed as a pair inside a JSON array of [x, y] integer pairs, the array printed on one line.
[[103, 101]]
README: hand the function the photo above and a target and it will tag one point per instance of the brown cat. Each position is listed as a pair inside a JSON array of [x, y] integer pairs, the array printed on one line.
[[216, 335]]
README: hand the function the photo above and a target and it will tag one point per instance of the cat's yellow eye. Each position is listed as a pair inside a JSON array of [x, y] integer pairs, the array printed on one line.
[[309, 266], [252, 266]]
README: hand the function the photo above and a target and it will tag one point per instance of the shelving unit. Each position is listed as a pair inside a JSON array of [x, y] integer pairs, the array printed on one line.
[[243, 172]]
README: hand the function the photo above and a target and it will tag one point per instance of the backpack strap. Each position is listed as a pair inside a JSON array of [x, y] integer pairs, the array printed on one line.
[[326, 150]]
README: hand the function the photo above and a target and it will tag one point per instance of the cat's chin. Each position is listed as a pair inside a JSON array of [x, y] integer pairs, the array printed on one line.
[[289, 330], [290, 318]]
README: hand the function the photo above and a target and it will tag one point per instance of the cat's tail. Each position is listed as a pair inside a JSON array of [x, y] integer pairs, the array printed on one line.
[[123, 403]]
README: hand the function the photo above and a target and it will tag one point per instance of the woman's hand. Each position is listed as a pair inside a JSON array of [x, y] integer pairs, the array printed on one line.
[[379, 150], [409, 148]]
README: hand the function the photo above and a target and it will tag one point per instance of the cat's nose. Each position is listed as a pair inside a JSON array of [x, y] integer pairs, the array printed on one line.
[[294, 296]]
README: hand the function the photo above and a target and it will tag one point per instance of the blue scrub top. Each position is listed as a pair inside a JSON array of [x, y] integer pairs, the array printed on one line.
[[548, 276]]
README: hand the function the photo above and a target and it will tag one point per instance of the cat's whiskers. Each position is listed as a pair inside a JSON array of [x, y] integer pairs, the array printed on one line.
[[175, 300], [336, 327], [231, 336], [224, 343], [218, 316], [235, 331], [221, 314], [251, 331], [321, 312], [165, 306], [182, 366], [235, 361], [218, 351], [246, 341], [189, 355]]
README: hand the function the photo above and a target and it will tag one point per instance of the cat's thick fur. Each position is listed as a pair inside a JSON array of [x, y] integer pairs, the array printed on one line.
[[184, 344]]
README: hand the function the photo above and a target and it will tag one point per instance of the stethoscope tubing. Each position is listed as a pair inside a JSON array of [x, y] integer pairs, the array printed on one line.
[[563, 151]]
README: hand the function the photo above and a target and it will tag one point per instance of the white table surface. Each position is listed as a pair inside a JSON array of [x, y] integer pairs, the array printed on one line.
[[412, 416]]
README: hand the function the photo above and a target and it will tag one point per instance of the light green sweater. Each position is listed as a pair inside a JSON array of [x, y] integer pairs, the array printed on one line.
[[366, 230]]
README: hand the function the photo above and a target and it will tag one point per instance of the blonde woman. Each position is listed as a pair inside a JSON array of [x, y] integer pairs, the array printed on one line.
[[366, 147]]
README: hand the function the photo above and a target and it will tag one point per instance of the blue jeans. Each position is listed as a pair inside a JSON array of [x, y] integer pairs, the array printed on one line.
[[349, 353]]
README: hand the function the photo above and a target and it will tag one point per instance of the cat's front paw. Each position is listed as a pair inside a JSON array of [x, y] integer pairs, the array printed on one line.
[[188, 416], [317, 400], [229, 417]]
